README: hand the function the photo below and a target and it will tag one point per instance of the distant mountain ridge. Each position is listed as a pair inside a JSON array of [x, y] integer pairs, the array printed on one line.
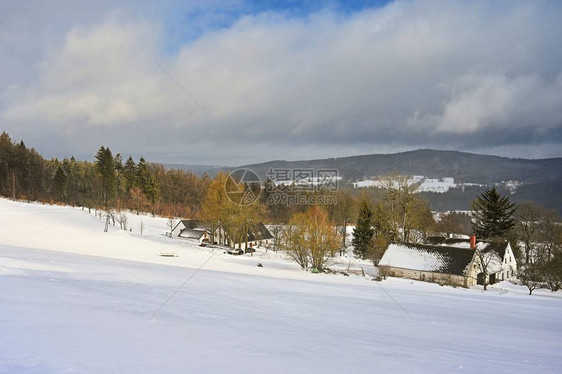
[[463, 166], [197, 169], [540, 179]]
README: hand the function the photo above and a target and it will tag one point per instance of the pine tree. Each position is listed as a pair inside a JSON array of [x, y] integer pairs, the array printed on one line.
[[493, 215], [59, 184], [130, 174], [6, 162], [120, 179], [106, 170], [363, 232], [147, 182]]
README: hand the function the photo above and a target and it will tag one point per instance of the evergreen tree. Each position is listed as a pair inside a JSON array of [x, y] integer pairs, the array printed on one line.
[[24, 173], [105, 167], [492, 215], [363, 232], [120, 179], [147, 182], [130, 174], [6, 162], [59, 184]]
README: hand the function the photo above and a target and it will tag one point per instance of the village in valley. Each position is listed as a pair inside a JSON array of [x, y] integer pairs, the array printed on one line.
[[319, 186], [154, 235], [234, 272], [379, 231], [446, 258]]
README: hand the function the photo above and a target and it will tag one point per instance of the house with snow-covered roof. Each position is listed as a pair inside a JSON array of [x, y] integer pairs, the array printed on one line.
[[191, 229], [456, 265], [501, 247], [503, 250], [257, 235], [430, 263]]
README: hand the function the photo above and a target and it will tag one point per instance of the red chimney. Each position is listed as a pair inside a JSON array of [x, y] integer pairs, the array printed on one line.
[[472, 241]]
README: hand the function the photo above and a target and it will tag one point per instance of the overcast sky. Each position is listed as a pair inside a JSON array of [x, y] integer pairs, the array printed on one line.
[[235, 82]]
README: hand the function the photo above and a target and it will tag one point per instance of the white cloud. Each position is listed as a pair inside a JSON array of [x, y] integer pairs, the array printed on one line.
[[282, 85], [478, 102]]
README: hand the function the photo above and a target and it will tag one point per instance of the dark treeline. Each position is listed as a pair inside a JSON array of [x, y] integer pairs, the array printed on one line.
[[109, 182], [114, 183], [393, 212]]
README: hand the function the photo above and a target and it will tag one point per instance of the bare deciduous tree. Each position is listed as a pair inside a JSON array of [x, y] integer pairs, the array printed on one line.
[[528, 219], [486, 261], [122, 219], [293, 243], [171, 224], [531, 275], [311, 239]]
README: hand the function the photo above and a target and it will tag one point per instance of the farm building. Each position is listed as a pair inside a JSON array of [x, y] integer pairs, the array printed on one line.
[[501, 247], [257, 235], [191, 229], [457, 265], [195, 230]]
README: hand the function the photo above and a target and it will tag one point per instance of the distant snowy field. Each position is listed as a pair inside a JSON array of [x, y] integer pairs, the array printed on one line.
[[74, 299]]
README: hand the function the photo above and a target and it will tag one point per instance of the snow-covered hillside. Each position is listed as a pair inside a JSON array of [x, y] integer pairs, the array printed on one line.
[[439, 185], [435, 185], [76, 299]]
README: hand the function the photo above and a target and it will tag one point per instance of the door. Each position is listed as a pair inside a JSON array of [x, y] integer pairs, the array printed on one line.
[[480, 278]]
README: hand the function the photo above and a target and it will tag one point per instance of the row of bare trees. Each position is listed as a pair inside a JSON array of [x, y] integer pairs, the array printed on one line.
[[219, 211], [539, 232], [311, 239], [393, 211]]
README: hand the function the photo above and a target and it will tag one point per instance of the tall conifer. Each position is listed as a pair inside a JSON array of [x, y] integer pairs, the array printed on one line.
[[492, 215]]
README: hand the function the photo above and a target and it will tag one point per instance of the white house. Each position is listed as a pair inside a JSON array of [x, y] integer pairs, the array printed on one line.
[[454, 263], [508, 268], [501, 247], [257, 235], [195, 230]]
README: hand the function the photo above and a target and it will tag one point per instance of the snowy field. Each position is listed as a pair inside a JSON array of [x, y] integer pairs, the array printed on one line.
[[74, 299]]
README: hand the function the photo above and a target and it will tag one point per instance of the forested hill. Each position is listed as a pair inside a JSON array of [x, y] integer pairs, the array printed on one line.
[[464, 167]]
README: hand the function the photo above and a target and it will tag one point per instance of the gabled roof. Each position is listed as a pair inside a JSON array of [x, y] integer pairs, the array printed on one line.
[[491, 256], [494, 245], [192, 224], [258, 231], [191, 234], [433, 258], [499, 246]]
